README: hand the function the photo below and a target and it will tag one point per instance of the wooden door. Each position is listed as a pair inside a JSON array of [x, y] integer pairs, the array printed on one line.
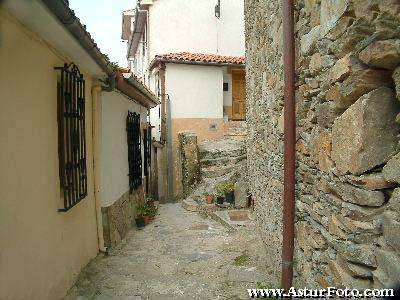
[[238, 95]]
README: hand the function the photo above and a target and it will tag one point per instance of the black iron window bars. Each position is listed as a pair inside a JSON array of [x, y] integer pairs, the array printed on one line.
[[71, 135], [134, 150], [147, 154]]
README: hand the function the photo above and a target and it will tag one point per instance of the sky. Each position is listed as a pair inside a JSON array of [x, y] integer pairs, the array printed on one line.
[[103, 19]]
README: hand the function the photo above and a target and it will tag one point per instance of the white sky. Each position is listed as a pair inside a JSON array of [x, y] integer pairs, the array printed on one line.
[[103, 19]]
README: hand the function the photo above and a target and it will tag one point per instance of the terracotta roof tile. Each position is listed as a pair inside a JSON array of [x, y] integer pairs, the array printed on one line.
[[199, 57]]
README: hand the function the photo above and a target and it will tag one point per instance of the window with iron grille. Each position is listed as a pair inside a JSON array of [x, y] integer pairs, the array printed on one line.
[[71, 135], [147, 155], [134, 150]]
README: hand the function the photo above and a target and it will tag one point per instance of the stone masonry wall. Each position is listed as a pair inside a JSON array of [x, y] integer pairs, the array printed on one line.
[[190, 161], [264, 80], [348, 172], [119, 217]]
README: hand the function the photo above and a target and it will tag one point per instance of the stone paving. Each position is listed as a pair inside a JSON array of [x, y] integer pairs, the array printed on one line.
[[179, 256]]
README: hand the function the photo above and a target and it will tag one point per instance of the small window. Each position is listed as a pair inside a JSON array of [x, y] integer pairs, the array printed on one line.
[[71, 135], [213, 127], [134, 150], [226, 87]]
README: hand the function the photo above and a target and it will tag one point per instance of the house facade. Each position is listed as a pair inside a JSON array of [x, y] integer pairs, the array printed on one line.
[[194, 61], [119, 195], [63, 112]]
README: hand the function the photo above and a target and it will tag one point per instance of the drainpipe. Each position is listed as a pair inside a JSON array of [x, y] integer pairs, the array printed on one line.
[[170, 165], [163, 104], [96, 138], [289, 144]]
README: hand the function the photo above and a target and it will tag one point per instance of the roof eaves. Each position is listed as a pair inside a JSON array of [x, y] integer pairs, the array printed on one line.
[[134, 89], [157, 61]]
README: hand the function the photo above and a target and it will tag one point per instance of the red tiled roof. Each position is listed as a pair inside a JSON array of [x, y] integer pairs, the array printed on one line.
[[199, 57]]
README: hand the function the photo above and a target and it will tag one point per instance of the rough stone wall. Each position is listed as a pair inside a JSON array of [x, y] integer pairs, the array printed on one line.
[[347, 200], [264, 80], [190, 161], [119, 217]]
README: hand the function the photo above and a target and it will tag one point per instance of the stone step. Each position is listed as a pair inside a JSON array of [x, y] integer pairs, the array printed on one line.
[[238, 128], [240, 138], [190, 205], [221, 161], [207, 186], [221, 148], [235, 134], [217, 171]]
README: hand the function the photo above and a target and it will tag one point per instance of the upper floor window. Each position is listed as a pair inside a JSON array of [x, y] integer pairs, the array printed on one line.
[[134, 150], [71, 135]]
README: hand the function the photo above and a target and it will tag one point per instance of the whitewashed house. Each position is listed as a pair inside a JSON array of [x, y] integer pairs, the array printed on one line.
[[191, 54], [65, 193]]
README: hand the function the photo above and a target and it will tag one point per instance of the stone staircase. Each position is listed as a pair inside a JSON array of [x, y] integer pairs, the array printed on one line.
[[220, 160], [237, 131]]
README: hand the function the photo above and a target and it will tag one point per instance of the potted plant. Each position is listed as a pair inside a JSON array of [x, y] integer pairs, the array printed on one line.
[[220, 193], [146, 217], [229, 188], [151, 210], [141, 211], [149, 201], [209, 198]]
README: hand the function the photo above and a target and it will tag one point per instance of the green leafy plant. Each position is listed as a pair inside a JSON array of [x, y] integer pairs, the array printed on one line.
[[241, 260], [114, 66], [220, 190], [149, 199], [141, 210], [151, 210], [225, 187], [229, 186]]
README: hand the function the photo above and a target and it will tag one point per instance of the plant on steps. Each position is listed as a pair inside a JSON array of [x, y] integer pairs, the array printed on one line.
[[229, 188], [225, 191], [220, 192], [140, 211], [151, 210]]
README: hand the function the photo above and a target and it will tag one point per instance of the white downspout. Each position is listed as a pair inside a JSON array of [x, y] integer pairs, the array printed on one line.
[[96, 130]]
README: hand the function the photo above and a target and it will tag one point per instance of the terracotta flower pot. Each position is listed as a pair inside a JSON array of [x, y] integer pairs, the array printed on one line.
[[210, 199], [146, 219]]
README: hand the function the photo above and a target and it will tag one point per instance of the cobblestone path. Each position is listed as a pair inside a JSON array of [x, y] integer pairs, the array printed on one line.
[[179, 256]]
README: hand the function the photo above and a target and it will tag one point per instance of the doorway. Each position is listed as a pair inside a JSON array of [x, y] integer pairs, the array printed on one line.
[[238, 95]]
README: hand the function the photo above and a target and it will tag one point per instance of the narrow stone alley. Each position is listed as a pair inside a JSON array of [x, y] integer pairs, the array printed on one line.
[[179, 256]]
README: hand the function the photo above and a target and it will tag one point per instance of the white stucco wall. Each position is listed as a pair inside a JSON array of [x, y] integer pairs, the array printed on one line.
[[114, 150], [191, 26], [155, 115], [195, 91], [155, 121], [228, 93]]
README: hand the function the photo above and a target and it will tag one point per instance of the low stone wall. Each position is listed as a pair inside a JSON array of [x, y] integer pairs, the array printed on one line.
[[120, 217], [190, 161], [347, 195]]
